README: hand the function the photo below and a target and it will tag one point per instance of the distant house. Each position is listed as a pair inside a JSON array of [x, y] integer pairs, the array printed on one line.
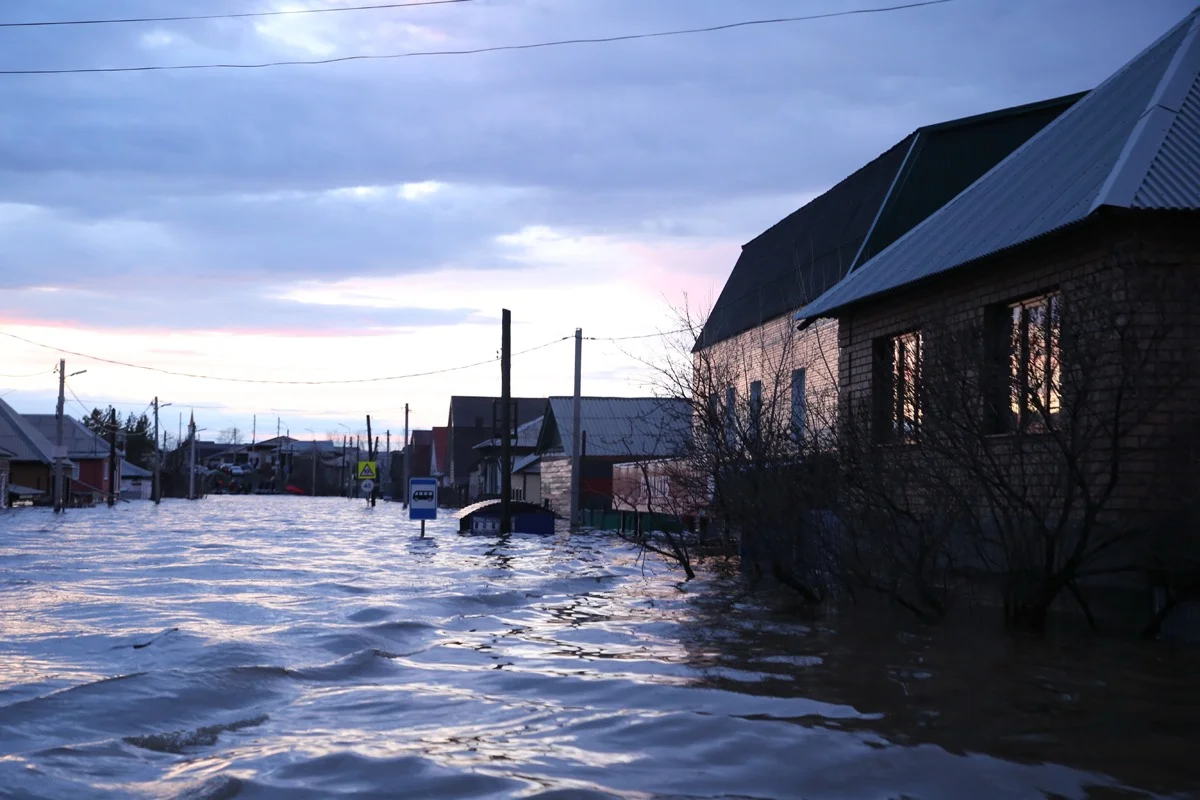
[[527, 479], [486, 477], [471, 420], [1048, 314], [136, 483], [439, 456], [32, 460], [88, 451], [749, 354], [612, 430], [5, 461]]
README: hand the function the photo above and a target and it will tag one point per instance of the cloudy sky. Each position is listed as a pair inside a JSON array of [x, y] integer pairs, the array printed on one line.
[[372, 218]]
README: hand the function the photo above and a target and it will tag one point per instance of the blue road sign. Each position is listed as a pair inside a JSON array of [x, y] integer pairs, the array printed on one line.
[[422, 498]]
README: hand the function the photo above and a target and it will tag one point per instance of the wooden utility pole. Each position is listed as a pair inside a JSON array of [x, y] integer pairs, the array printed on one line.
[[577, 402], [505, 422], [278, 457], [156, 489], [405, 460], [370, 457], [112, 457], [59, 499], [192, 458], [387, 449], [376, 490]]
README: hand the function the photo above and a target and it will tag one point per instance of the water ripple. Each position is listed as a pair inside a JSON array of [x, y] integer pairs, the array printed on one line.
[[286, 647]]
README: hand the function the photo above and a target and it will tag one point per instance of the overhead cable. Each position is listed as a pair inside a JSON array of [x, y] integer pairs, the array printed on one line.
[[475, 50], [239, 15]]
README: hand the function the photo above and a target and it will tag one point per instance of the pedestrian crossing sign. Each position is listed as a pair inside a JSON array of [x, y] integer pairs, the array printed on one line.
[[367, 471]]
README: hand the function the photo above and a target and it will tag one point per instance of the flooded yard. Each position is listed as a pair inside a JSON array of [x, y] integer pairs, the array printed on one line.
[[290, 647]]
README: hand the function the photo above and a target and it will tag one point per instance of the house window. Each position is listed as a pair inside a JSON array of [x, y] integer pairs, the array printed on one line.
[[1026, 351], [898, 388], [799, 404], [755, 408], [730, 416]]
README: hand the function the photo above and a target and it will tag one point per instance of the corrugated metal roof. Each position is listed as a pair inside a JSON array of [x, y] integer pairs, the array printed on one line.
[[527, 435], [80, 442], [525, 461], [130, 470], [800, 257], [634, 427], [21, 439], [1116, 146]]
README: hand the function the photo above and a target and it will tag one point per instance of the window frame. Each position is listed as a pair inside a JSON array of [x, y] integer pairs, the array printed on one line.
[[1011, 361], [891, 403]]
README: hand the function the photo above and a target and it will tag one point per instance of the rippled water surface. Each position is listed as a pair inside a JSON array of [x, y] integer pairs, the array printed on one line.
[[288, 647]]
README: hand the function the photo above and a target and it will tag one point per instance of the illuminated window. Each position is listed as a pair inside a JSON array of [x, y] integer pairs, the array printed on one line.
[[897, 395], [1026, 392]]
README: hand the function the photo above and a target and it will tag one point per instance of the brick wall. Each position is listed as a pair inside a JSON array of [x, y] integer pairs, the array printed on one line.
[[1130, 271], [770, 353]]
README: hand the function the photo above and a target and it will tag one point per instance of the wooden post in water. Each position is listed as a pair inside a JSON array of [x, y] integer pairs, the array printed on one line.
[[112, 458]]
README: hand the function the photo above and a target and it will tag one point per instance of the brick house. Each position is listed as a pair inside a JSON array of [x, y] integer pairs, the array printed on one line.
[[749, 351], [5, 460], [1034, 345]]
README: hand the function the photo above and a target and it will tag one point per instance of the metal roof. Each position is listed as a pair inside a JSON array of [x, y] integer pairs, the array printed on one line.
[[809, 251], [634, 427], [131, 470], [20, 438], [468, 411], [1132, 142], [527, 435], [80, 442], [524, 462]]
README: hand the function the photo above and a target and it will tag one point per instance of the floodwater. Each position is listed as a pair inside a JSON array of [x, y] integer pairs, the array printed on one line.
[[256, 647]]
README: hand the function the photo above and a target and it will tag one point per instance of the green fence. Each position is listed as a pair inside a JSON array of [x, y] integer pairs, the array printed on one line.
[[612, 521]]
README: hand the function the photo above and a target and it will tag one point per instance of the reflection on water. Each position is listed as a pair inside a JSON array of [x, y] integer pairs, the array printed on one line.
[[285, 647]]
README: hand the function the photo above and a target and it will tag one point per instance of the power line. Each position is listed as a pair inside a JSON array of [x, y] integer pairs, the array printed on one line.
[[243, 15], [477, 50], [30, 375], [640, 336], [264, 380]]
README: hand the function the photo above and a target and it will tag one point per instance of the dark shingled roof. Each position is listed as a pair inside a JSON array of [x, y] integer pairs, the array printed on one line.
[[799, 258]]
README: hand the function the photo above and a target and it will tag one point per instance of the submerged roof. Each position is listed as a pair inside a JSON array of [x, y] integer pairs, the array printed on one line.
[[81, 443], [635, 427], [1132, 142], [799, 258], [19, 437]]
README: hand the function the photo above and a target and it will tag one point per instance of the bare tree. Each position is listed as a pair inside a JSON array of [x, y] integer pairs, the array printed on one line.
[[230, 436]]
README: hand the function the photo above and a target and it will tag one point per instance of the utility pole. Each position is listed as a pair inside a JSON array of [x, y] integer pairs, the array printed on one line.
[[157, 488], [59, 499], [342, 469], [406, 459], [370, 457], [278, 458], [576, 422], [505, 422], [112, 457], [192, 457], [388, 449], [314, 466]]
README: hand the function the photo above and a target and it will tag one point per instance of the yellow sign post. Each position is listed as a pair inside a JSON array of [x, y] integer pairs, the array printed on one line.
[[367, 471]]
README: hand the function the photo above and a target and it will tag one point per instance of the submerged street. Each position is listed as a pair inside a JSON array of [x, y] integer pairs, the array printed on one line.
[[289, 647]]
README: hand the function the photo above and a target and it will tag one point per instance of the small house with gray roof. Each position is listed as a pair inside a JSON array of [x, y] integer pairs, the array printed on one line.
[[31, 462], [613, 430]]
